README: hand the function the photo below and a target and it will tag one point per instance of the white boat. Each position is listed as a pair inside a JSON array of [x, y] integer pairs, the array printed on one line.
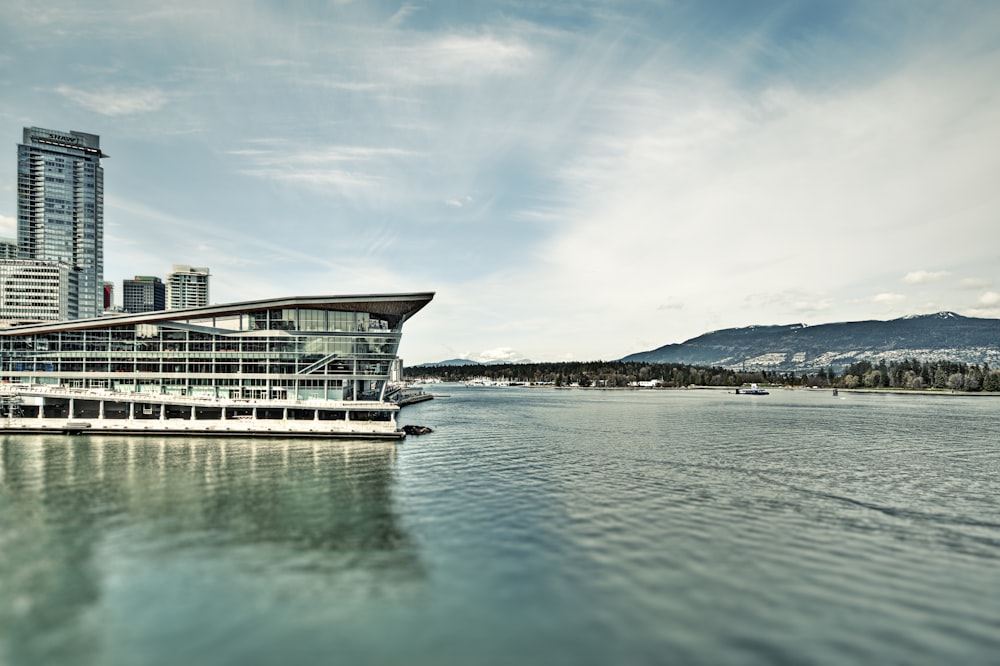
[[753, 390]]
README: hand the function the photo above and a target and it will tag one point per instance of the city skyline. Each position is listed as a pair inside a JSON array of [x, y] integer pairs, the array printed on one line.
[[574, 182]]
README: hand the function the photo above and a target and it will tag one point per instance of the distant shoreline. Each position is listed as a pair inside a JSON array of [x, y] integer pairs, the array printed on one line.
[[879, 391]]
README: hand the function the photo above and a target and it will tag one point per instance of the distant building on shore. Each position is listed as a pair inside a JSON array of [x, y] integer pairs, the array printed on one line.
[[145, 293], [187, 287]]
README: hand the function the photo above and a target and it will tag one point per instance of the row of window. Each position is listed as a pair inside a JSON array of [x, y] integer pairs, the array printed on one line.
[[362, 369]]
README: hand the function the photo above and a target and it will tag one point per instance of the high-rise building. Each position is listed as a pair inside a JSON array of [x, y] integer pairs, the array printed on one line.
[[60, 207], [8, 248], [187, 287], [145, 293], [34, 291]]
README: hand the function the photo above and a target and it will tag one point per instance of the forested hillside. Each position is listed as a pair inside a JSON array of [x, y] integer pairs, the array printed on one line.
[[944, 336], [905, 374]]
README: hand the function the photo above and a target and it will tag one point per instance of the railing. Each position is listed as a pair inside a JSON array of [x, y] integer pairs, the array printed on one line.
[[121, 396]]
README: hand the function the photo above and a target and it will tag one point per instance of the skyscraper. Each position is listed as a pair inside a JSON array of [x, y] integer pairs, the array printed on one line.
[[143, 294], [60, 207], [187, 287]]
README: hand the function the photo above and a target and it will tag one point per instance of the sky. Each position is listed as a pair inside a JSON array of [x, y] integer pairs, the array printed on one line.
[[575, 180]]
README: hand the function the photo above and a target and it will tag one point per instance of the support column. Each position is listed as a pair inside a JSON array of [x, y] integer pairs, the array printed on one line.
[[100, 410], [131, 411], [72, 405], [192, 413], [223, 413], [315, 415], [284, 413], [163, 411]]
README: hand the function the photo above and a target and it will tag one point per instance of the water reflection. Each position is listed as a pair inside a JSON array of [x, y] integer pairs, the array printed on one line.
[[83, 519]]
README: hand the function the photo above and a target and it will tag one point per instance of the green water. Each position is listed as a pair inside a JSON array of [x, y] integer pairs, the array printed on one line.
[[533, 526]]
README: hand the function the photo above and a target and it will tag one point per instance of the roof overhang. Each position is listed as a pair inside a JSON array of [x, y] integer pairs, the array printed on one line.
[[393, 305]]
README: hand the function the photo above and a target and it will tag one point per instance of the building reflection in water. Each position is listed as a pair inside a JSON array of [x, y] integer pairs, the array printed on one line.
[[75, 510]]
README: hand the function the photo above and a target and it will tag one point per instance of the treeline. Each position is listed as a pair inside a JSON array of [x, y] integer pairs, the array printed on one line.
[[908, 374], [913, 374]]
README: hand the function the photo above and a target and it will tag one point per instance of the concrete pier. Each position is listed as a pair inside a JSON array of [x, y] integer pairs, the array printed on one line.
[[35, 409]]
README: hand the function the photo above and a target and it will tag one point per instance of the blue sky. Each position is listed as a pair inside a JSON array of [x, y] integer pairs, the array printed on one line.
[[575, 180]]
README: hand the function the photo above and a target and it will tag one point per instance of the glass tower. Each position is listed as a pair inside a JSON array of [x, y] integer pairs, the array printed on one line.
[[60, 207]]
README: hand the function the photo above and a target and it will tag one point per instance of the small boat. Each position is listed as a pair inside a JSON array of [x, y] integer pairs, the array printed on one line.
[[753, 390]]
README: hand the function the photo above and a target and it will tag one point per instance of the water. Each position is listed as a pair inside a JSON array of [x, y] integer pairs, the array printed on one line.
[[534, 526]]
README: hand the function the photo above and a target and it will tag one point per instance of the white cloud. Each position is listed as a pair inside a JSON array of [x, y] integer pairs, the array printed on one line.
[[457, 202], [498, 354], [402, 14], [628, 187], [116, 102], [925, 277], [990, 298], [458, 56]]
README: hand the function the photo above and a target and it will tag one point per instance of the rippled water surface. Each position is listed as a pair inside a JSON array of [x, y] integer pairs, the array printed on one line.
[[533, 526]]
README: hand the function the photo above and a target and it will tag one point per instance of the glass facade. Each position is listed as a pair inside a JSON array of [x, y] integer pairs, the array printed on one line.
[[60, 207], [145, 293], [325, 349]]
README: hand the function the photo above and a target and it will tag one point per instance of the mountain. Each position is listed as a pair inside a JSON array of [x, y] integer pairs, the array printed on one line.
[[465, 361], [944, 336], [449, 362]]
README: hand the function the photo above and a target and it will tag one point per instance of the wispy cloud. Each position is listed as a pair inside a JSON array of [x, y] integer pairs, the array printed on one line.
[[402, 14], [888, 299], [454, 59], [925, 277], [990, 298], [676, 170], [350, 170], [499, 354], [973, 283], [116, 101]]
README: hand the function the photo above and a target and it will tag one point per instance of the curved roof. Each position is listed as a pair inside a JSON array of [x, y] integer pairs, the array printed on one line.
[[391, 305]]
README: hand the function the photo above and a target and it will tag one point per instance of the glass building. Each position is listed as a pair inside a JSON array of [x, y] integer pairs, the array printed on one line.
[[146, 293], [60, 207], [314, 366], [316, 348]]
